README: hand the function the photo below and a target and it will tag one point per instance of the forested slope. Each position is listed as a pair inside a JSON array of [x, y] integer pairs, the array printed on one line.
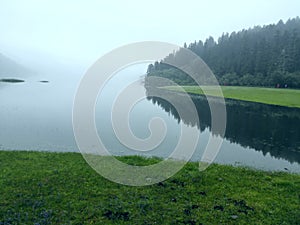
[[258, 56]]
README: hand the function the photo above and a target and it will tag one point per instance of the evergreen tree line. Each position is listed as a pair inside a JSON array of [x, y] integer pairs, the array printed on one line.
[[259, 56]]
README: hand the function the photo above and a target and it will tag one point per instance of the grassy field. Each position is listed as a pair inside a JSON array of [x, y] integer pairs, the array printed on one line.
[[60, 188], [273, 96]]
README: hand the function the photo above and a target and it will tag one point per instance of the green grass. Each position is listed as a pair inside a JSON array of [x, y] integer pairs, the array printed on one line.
[[272, 96], [60, 188]]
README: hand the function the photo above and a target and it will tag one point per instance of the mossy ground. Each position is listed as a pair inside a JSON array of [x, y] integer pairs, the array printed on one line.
[[61, 188]]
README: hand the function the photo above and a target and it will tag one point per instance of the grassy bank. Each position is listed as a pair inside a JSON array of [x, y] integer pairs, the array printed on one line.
[[60, 188], [273, 96]]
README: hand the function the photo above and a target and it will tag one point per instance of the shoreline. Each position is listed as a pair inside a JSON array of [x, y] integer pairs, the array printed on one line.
[[156, 159]]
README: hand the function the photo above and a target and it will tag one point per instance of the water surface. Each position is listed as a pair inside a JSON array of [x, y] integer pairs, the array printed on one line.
[[38, 116]]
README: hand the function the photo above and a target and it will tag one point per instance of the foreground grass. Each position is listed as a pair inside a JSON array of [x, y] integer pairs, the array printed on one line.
[[60, 188], [273, 96]]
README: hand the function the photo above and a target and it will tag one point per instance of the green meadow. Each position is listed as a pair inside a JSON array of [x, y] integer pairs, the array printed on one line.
[[61, 188], [272, 96]]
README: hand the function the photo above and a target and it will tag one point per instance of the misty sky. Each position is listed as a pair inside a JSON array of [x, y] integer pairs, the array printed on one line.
[[82, 31]]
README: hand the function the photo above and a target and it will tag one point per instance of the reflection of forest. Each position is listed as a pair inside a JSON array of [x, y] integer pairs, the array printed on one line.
[[263, 127]]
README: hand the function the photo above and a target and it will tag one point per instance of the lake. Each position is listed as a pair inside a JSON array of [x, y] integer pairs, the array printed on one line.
[[38, 116]]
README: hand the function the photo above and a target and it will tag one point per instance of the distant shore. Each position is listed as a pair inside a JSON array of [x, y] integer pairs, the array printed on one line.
[[272, 96]]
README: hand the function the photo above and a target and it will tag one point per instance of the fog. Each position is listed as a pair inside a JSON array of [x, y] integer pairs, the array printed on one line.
[[71, 35]]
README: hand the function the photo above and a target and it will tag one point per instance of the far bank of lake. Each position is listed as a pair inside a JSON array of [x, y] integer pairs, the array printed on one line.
[[273, 96]]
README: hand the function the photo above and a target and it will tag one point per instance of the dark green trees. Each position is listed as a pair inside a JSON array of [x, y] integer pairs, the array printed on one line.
[[259, 56]]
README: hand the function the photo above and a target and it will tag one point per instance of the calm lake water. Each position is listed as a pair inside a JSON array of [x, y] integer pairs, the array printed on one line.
[[38, 116]]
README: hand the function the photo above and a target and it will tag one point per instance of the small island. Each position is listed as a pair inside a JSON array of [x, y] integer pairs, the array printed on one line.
[[11, 80]]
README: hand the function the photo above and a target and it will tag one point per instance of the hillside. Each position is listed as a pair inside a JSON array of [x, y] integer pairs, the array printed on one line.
[[9, 68], [258, 56]]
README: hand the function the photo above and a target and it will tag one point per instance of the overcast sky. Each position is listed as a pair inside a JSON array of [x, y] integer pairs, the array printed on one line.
[[82, 31]]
